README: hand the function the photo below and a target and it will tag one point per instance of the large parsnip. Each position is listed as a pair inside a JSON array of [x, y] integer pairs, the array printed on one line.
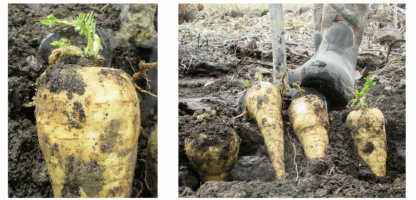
[[88, 122], [309, 118], [264, 102], [369, 133]]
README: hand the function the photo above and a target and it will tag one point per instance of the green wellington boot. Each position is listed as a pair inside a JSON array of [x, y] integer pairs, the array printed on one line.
[[294, 74], [332, 69]]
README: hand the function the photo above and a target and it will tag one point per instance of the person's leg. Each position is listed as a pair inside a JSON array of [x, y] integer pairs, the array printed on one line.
[[354, 15], [332, 69], [317, 17], [317, 22]]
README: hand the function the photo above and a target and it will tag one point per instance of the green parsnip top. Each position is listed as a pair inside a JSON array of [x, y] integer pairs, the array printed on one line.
[[360, 96], [84, 24]]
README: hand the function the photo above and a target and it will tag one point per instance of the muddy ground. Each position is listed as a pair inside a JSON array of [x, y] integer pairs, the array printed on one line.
[[27, 171], [211, 78]]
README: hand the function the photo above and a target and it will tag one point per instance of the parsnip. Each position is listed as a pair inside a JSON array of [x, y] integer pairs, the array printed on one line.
[[88, 123], [309, 119], [212, 154], [264, 102], [369, 133], [151, 163]]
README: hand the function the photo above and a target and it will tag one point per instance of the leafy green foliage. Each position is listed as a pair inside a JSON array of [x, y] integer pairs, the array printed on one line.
[[214, 113], [207, 116], [203, 116], [38, 80], [63, 43], [360, 96], [246, 83], [258, 76], [52, 21], [84, 24], [300, 89], [369, 82]]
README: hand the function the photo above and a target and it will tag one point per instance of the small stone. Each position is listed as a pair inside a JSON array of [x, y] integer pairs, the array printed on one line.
[[388, 35], [321, 192], [387, 88], [209, 83]]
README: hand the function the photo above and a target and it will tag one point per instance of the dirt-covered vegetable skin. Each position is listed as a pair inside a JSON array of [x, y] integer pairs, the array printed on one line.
[[151, 163], [369, 133], [309, 118], [213, 157], [88, 123], [264, 102]]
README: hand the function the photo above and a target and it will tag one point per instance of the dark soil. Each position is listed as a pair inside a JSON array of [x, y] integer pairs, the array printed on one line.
[[341, 174], [27, 171]]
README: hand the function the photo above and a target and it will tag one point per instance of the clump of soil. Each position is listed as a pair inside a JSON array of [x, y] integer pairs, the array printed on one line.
[[212, 148]]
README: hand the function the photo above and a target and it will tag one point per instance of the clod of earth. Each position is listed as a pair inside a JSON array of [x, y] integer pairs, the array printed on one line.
[[213, 150]]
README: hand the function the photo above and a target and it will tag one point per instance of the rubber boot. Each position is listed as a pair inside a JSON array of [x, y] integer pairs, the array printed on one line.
[[332, 68], [294, 74]]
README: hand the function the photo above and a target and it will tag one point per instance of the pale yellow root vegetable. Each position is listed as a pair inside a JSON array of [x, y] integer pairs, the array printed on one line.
[[369, 133], [151, 163], [264, 102], [309, 119], [88, 123], [213, 156]]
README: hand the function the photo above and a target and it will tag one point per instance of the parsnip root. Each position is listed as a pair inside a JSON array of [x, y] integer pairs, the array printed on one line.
[[88, 123], [309, 118], [264, 102], [369, 133]]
